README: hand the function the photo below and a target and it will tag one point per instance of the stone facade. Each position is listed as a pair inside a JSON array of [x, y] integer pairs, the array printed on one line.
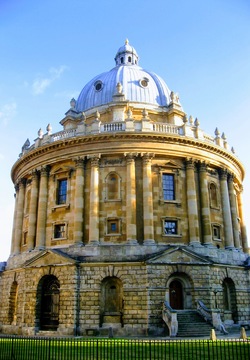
[[127, 207]]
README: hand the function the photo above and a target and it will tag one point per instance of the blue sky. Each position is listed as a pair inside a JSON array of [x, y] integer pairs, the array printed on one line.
[[49, 49]]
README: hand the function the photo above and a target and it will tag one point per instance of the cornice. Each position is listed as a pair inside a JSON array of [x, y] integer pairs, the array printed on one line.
[[105, 137]]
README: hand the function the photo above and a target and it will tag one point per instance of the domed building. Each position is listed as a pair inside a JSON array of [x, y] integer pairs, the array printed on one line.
[[127, 218]]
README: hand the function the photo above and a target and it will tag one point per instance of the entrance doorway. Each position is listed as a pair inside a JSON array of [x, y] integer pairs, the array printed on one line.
[[50, 293], [176, 295]]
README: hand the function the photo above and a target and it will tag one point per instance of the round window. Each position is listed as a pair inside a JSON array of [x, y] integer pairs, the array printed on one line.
[[144, 82], [98, 85]]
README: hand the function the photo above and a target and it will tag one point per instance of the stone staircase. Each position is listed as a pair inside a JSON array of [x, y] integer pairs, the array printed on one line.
[[191, 324]]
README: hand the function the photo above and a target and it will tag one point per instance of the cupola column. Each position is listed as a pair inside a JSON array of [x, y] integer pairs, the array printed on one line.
[[148, 215], [226, 211], [131, 199], [33, 211], [192, 203], [94, 200], [19, 216], [235, 223], [242, 222], [79, 201], [42, 209], [205, 207]]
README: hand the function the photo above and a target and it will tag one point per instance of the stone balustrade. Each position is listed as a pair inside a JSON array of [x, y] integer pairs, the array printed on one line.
[[186, 130], [170, 318]]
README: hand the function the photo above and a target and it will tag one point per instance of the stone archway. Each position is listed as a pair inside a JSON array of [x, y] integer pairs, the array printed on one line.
[[229, 300], [179, 291], [111, 301], [48, 295]]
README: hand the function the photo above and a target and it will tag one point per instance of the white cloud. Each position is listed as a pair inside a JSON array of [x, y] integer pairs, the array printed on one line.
[[7, 112], [41, 84]]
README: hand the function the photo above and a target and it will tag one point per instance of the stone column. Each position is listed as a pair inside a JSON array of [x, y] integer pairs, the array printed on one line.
[[148, 213], [205, 206], [234, 214], [226, 211], [242, 222], [79, 201], [19, 217], [42, 209], [14, 222], [33, 212], [131, 199], [94, 200], [193, 220]]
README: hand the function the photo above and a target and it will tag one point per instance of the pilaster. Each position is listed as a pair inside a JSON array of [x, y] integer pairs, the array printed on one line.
[[148, 211], [205, 206], [193, 220], [42, 208], [131, 199], [33, 211], [79, 201], [94, 200], [226, 211]]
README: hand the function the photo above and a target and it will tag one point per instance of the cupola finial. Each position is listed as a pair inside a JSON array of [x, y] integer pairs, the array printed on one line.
[[126, 41]]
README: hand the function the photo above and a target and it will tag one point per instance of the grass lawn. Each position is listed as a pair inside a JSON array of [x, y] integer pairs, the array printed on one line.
[[121, 349]]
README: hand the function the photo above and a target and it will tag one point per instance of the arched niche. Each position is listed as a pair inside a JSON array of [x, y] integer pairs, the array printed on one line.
[[111, 304], [229, 300], [13, 303]]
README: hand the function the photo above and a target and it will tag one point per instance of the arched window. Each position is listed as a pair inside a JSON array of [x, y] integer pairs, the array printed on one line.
[[13, 302], [213, 195], [113, 186], [129, 59]]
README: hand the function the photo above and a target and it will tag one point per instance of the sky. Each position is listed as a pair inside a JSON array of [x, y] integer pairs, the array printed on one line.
[[50, 49]]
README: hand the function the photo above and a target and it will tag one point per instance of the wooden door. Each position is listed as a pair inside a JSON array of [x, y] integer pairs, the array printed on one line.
[[176, 295]]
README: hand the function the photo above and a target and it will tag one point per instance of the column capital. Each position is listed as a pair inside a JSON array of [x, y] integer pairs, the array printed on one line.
[[20, 183], [94, 159], [147, 157], [203, 165], [130, 156], [79, 162], [223, 173], [190, 163], [231, 177], [44, 171]]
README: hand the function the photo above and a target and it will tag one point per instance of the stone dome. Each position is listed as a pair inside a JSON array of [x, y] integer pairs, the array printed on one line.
[[138, 85]]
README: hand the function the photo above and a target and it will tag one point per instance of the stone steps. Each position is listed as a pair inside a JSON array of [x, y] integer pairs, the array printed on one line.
[[191, 324]]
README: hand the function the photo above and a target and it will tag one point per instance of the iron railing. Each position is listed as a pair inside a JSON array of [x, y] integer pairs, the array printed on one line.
[[41, 348]]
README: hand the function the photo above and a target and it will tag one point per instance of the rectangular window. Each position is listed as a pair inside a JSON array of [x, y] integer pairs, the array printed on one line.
[[216, 232], [59, 231], [170, 227], [113, 226], [168, 187], [62, 191]]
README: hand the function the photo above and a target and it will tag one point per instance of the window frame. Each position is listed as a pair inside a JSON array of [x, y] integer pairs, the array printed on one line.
[[171, 220], [109, 222], [216, 227], [64, 193], [168, 189], [57, 224]]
